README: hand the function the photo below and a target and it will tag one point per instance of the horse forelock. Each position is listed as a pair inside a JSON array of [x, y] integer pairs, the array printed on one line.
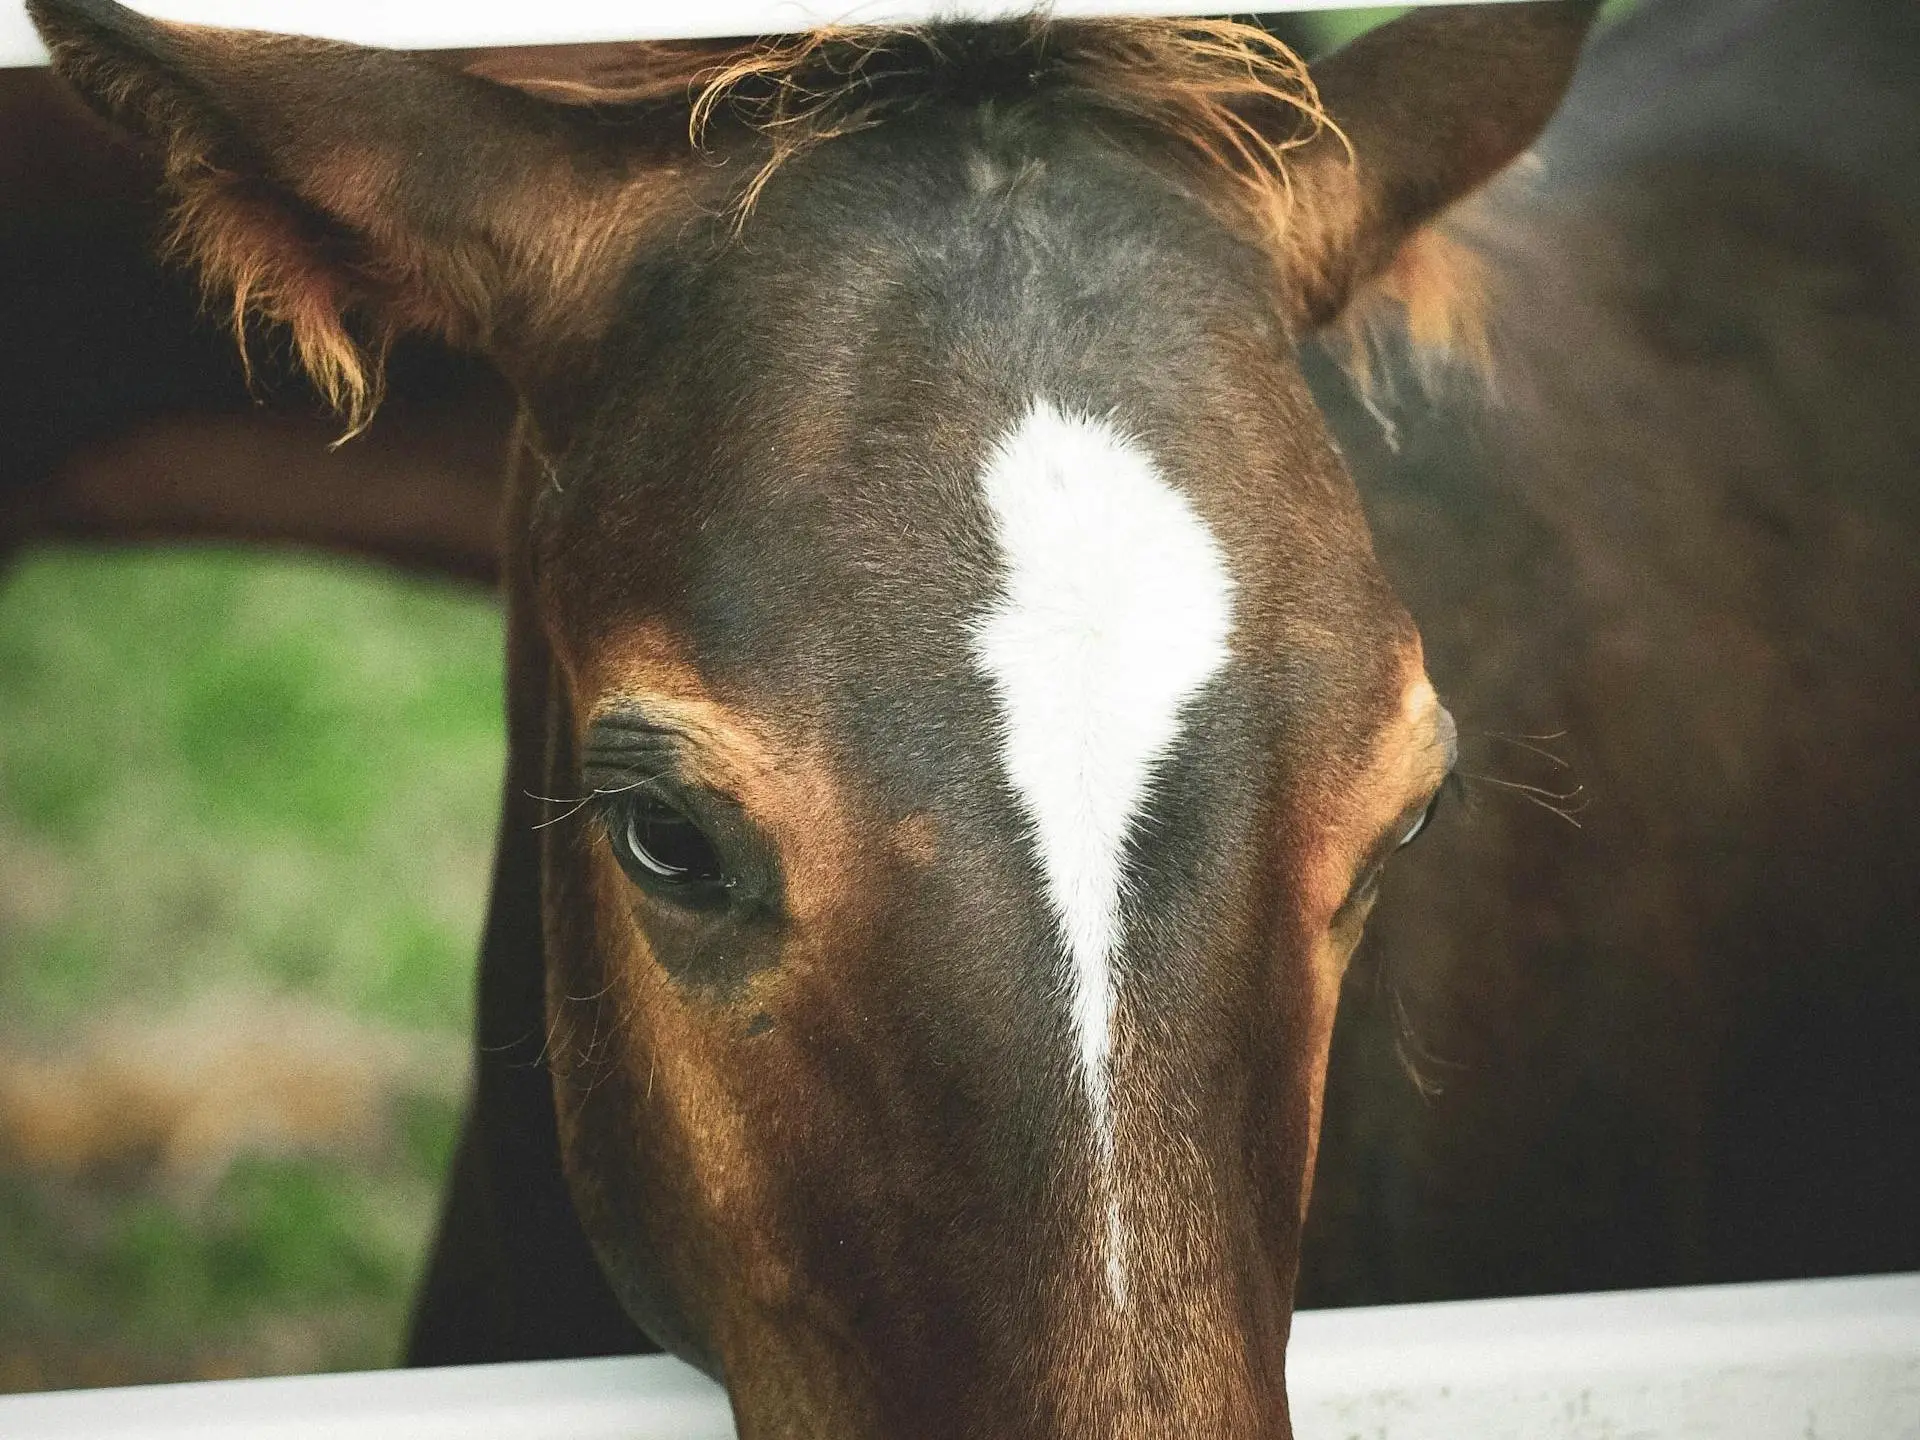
[[1195, 80], [1197, 83]]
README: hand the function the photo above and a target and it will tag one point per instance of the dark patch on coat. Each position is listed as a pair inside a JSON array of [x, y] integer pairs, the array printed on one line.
[[1681, 1043]]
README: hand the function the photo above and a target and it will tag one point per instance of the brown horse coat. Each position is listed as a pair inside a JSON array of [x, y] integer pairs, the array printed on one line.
[[1638, 1080]]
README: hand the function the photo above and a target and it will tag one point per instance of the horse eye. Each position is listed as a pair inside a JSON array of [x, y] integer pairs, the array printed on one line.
[[660, 847], [1415, 830]]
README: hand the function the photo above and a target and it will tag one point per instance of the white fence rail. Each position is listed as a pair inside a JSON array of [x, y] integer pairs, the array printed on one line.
[[1809, 1360], [458, 24]]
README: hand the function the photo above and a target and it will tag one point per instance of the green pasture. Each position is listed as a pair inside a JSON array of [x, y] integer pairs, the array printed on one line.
[[229, 783]]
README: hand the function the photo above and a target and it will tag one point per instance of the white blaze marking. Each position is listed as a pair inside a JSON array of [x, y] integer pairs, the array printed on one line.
[[1114, 612]]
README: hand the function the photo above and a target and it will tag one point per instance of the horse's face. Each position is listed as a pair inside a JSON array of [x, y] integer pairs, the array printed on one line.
[[977, 720], [994, 722]]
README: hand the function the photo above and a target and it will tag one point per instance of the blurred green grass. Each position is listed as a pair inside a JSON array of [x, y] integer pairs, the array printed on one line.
[[225, 773], [234, 768], [1330, 29]]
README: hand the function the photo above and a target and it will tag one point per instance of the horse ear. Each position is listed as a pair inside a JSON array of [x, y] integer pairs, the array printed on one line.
[[1428, 107], [318, 181]]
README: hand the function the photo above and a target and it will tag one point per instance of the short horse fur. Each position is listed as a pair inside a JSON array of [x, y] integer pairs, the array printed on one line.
[[912, 458]]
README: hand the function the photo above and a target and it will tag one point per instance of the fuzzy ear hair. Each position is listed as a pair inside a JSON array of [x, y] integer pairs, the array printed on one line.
[[317, 181], [1427, 108]]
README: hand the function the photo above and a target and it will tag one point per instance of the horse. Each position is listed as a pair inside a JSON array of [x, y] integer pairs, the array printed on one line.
[[870, 1014], [977, 719]]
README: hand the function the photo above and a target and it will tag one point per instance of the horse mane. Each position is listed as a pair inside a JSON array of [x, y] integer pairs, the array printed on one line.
[[1213, 86]]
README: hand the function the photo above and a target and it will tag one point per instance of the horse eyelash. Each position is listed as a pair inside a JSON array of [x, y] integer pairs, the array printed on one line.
[[579, 803]]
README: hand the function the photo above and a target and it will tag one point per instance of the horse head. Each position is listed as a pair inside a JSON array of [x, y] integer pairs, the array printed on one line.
[[969, 722]]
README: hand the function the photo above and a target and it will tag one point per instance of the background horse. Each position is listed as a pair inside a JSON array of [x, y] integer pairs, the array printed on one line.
[[130, 416], [1666, 576]]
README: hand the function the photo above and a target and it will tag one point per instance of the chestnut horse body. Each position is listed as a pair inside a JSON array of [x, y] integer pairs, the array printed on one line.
[[957, 719]]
